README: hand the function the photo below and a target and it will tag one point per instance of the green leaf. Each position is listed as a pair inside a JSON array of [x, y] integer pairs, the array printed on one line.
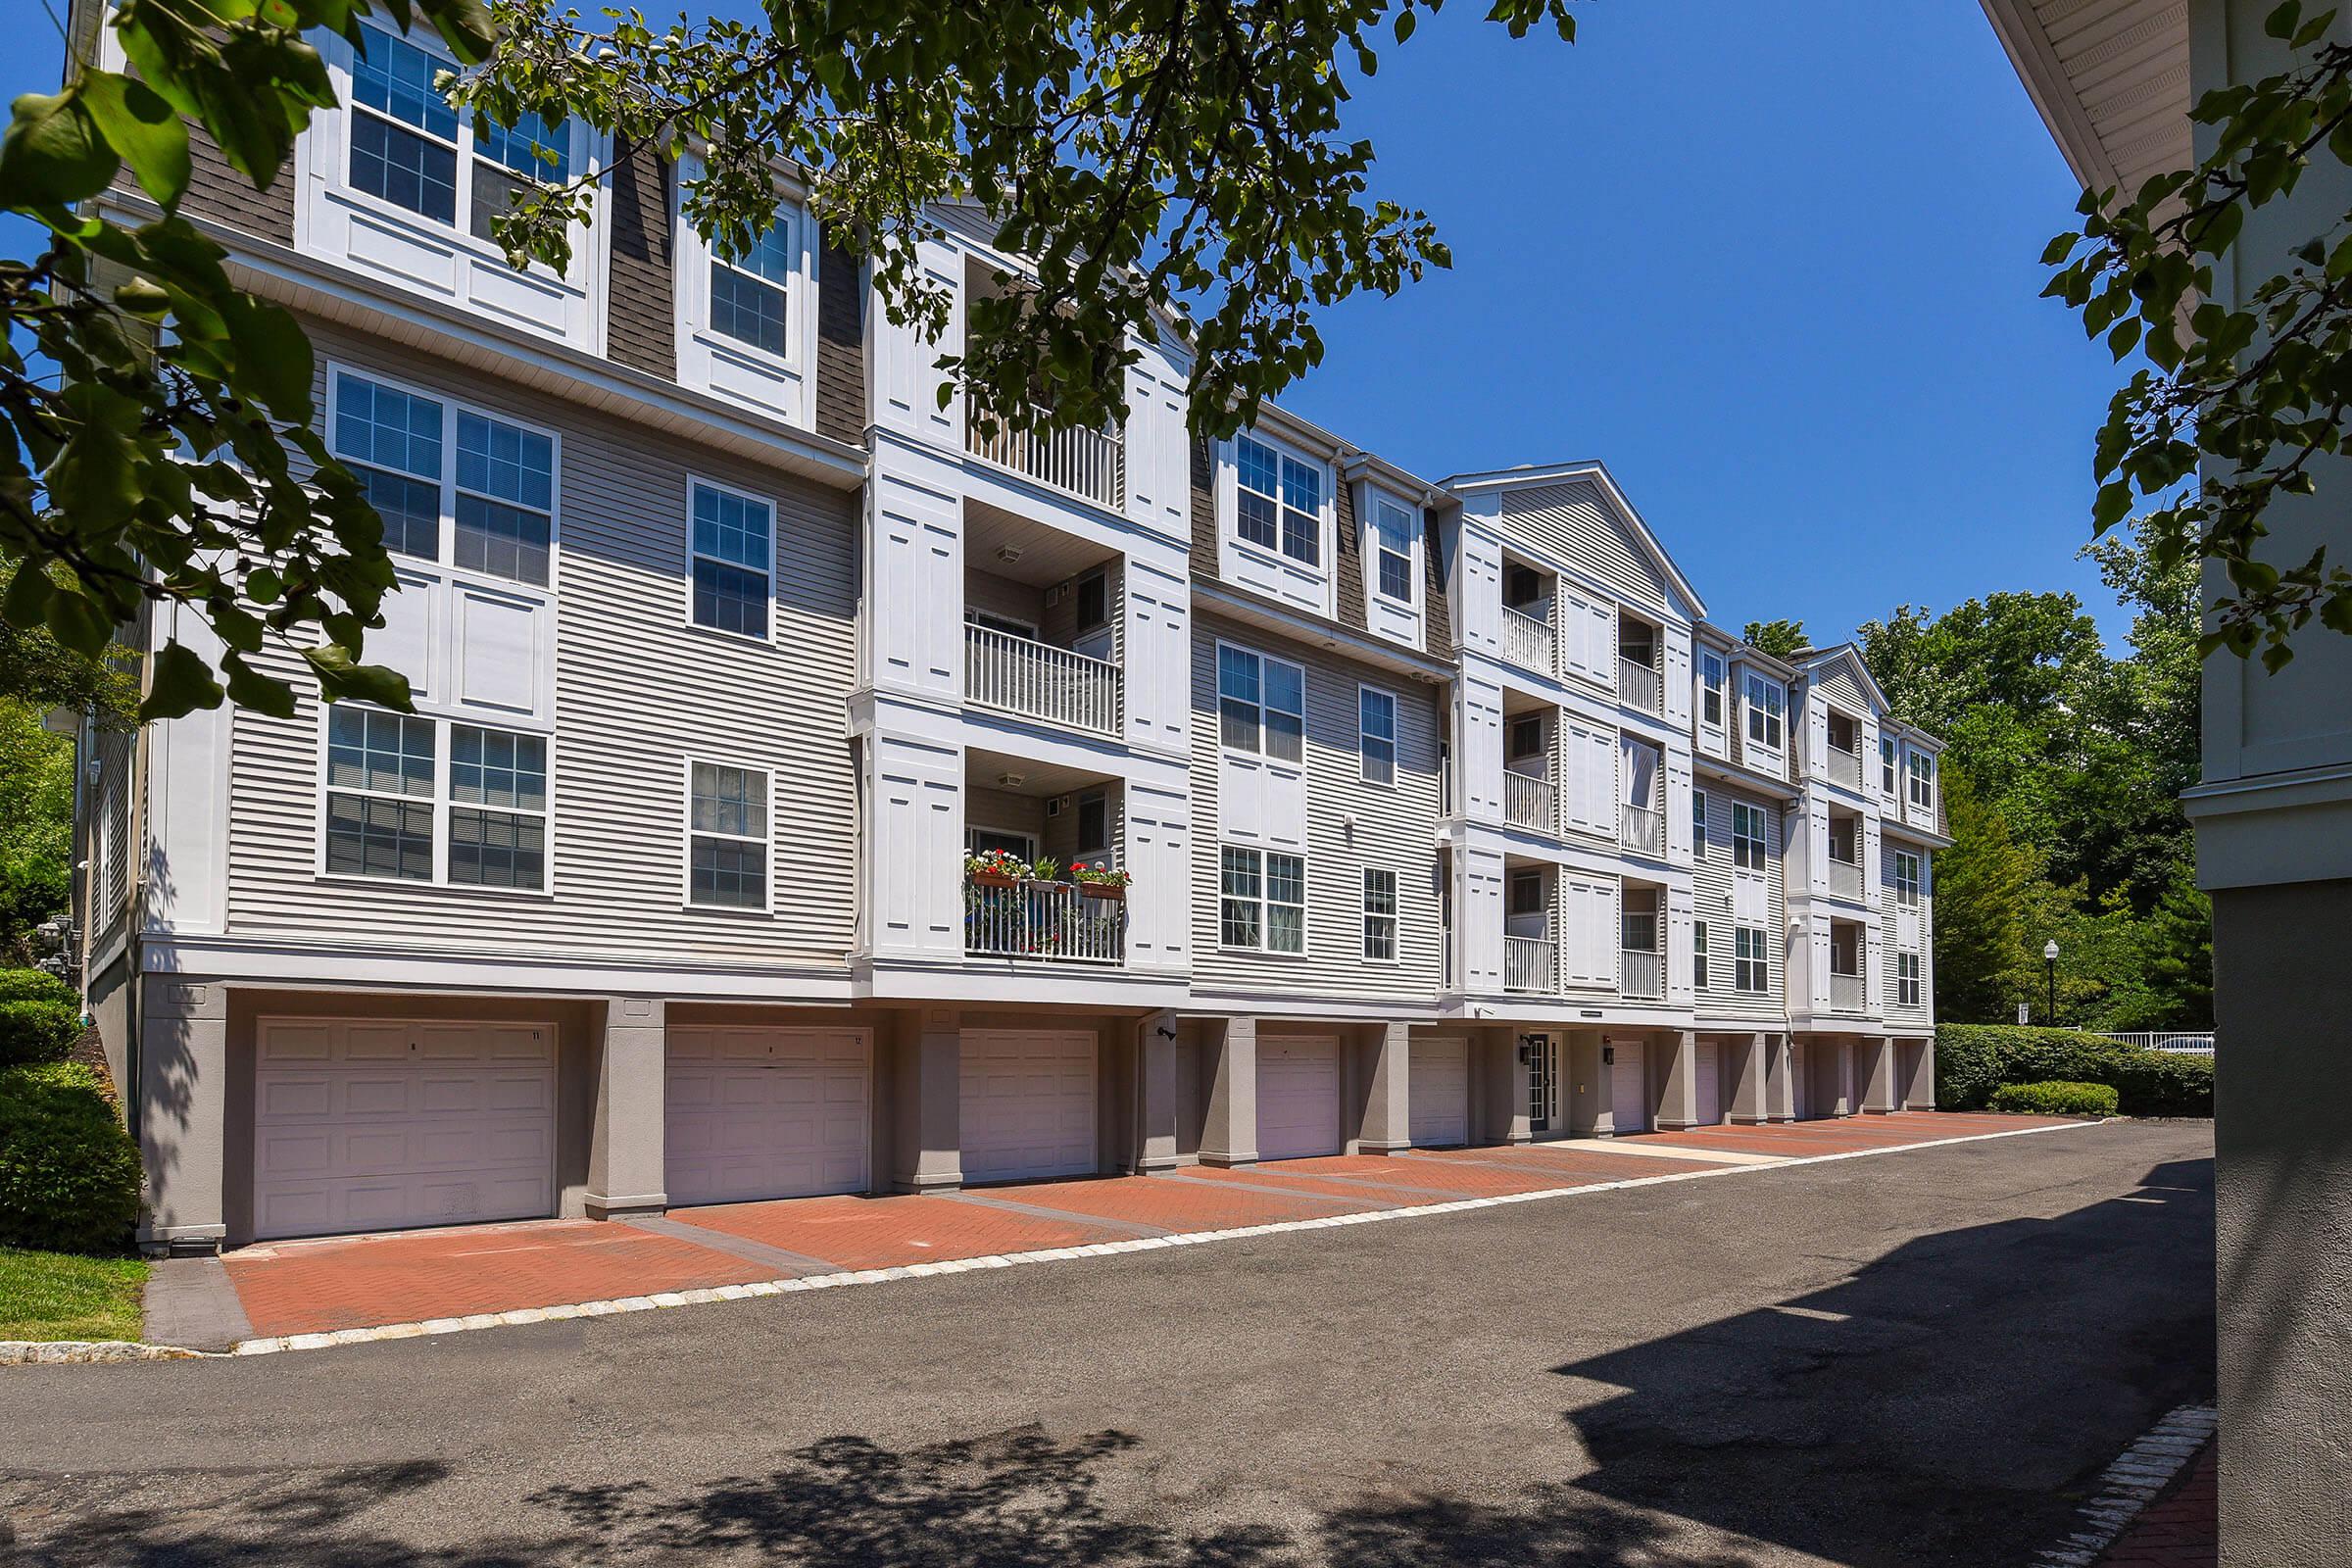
[[80, 623], [272, 356], [2280, 22], [250, 687], [53, 154], [181, 683], [145, 130], [343, 679]]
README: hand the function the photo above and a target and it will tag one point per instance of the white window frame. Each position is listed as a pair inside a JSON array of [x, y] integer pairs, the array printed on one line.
[[1906, 888], [1712, 685], [1259, 749], [1367, 695], [1375, 919], [1264, 902], [688, 833], [1767, 704], [1700, 840], [1890, 781], [779, 385], [1527, 876], [1376, 546], [1699, 976], [1272, 569], [441, 803], [1908, 991], [1078, 807], [1028, 850], [1921, 772], [1744, 937], [1005, 625], [696, 482], [1746, 845]]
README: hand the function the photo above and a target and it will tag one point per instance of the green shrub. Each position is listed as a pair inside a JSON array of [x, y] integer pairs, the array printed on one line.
[[40, 1017], [68, 1173], [2056, 1099], [1973, 1060]]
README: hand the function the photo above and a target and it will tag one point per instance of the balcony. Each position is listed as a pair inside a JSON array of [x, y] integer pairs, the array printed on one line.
[[1639, 686], [1846, 767], [1527, 801], [1055, 922], [1527, 641], [1022, 676], [1846, 992], [1845, 878], [1089, 463], [1528, 965], [1641, 974], [1644, 831]]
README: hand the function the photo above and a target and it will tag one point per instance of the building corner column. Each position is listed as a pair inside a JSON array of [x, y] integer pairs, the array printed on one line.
[[1388, 1056], [927, 1151], [183, 1114], [1780, 1080], [1678, 1083], [1229, 1128], [1873, 1074], [1920, 1093], [1746, 1065], [627, 1161]]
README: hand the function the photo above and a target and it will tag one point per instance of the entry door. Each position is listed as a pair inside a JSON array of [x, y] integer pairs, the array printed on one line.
[[1711, 1083], [1297, 1096], [1028, 1104], [1628, 1089], [757, 1113], [1542, 1082]]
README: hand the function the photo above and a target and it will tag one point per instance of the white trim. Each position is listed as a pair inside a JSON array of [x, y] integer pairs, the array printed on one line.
[[782, 386], [1364, 688], [1273, 563], [1394, 915], [439, 801], [1264, 659], [1265, 901], [767, 905], [768, 570]]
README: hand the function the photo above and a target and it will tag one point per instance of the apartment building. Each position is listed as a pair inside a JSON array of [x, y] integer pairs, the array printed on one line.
[[816, 787]]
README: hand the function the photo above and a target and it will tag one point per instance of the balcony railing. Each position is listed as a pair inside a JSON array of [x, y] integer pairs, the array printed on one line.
[[1845, 878], [1527, 641], [1639, 686], [1642, 973], [1527, 801], [1644, 831], [1085, 462], [1846, 992], [1022, 676], [1054, 921], [1846, 767], [1529, 964]]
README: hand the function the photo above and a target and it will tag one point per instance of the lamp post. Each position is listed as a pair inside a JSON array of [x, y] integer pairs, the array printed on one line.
[[2049, 962]]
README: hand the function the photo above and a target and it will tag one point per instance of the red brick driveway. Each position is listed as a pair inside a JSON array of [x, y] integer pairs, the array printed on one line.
[[311, 1287]]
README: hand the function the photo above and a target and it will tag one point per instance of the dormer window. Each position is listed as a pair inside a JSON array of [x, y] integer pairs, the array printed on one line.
[[747, 293], [1887, 764], [1923, 781], [409, 148], [1767, 705], [1392, 540], [747, 321], [1710, 689], [1279, 501]]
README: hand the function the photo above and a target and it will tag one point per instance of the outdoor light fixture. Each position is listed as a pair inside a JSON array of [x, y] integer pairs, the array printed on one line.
[[2049, 960]]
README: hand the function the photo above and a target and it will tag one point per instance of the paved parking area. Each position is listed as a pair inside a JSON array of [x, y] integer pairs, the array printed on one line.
[[319, 1287]]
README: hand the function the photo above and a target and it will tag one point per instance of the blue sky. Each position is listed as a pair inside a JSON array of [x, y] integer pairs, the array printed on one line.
[[1777, 267]]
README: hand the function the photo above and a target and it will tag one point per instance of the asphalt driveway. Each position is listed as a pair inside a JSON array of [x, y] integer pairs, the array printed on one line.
[[1892, 1361]]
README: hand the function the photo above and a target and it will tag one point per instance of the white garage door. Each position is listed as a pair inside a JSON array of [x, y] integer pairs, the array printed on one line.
[[1028, 1104], [1298, 1098], [374, 1124], [754, 1113], [1441, 1092], [1628, 1088], [1711, 1084]]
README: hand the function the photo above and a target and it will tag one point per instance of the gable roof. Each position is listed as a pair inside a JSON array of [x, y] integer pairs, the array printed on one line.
[[1589, 470], [1812, 661]]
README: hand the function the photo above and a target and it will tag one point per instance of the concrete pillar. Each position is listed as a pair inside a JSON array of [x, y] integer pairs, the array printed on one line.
[[1849, 1087], [183, 1122], [1388, 1075], [1780, 1078], [1228, 1120], [1502, 1080], [927, 1146], [626, 1171], [1743, 1067], [1919, 1092], [1586, 1086], [1158, 1104], [1677, 1080], [1874, 1075]]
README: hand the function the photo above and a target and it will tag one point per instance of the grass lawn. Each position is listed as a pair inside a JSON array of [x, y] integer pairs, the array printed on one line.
[[57, 1296]]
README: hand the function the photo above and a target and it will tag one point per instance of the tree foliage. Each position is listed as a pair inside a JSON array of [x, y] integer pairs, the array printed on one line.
[[2236, 403], [1778, 638]]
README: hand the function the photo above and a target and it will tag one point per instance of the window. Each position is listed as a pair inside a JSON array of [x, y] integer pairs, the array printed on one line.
[[1923, 780], [1748, 970], [1699, 823], [1710, 689], [1527, 737], [1887, 764], [500, 491], [1376, 718], [1748, 836], [1262, 901], [1699, 953], [748, 292], [386, 801], [1002, 626], [1279, 501], [1637, 928], [726, 837], [1906, 979], [987, 840], [1261, 704], [1766, 705], [1094, 823], [1527, 891], [1380, 916], [411, 150], [1392, 542], [733, 549], [1093, 601], [1906, 878]]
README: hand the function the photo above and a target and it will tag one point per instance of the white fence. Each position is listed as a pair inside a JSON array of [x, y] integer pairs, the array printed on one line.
[[1640, 687], [1846, 767], [1048, 920], [1026, 676], [1528, 963], [1644, 831], [1846, 992], [2187, 1042], [1845, 878], [1527, 641], [1527, 801], [1642, 973], [1085, 462]]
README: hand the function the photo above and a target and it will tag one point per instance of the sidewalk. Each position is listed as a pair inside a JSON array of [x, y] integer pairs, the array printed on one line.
[[2180, 1530]]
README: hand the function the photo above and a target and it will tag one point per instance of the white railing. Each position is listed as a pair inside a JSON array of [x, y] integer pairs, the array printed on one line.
[[1053, 922], [1845, 878], [1642, 973], [1846, 992], [2189, 1042], [1024, 677], [1527, 801], [1085, 462], [1527, 641], [1639, 686], [1528, 963], [1846, 767], [1644, 831]]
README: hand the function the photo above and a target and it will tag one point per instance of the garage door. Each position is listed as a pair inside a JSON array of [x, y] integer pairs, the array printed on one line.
[[1628, 1089], [1298, 1098], [1441, 1092], [1711, 1083], [1028, 1104], [374, 1124], [754, 1113]]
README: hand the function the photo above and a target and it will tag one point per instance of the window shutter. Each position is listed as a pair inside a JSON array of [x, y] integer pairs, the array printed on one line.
[[1589, 777]]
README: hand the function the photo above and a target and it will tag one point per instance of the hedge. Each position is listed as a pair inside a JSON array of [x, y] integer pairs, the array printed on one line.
[[68, 1173], [40, 1017], [1973, 1059], [2056, 1100]]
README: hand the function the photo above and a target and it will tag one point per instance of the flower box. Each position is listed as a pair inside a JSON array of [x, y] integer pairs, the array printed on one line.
[[995, 879], [1102, 889]]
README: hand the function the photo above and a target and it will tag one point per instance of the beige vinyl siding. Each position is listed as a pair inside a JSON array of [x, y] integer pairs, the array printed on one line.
[[1889, 934], [637, 692], [1837, 683], [1004, 811], [1395, 829], [1061, 829], [1572, 524], [116, 856], [1711, 901]]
